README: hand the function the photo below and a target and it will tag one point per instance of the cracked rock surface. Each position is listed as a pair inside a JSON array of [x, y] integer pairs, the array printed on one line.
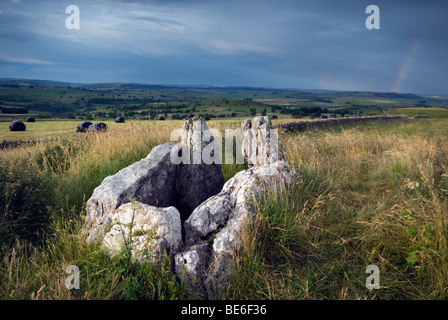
[[151, 180], [150, 231], [197, 180], [215, 228], [136, 207]]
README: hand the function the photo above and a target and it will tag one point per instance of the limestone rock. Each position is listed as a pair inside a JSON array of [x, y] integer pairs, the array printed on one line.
[[261, 145], [198, 180], [214, 230], [151, 180], [149, 231], [206, 218], [221, 219], [191, 264]]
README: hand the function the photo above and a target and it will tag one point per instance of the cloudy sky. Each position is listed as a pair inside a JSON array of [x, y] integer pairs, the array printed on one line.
[[304, 44]]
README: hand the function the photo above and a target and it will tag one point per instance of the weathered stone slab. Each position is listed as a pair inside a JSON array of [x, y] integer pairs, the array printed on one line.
[[151, 180], [150, 232], [220, 222], [261, 145], [198, 180]]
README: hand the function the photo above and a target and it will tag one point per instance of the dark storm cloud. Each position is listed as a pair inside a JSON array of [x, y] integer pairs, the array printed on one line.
[[283, 43]]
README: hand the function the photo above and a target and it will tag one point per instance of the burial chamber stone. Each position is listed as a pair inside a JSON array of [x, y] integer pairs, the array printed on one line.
[[261, 145], [214, 230], [197, 180], [151, 181], [151, 232]]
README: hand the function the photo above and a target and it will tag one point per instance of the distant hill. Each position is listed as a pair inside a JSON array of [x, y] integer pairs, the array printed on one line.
[[231, 89], [393, 95], [47, 98], [43, 82]]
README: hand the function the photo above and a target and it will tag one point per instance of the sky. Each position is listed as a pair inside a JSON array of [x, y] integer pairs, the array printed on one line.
[[298, 44]]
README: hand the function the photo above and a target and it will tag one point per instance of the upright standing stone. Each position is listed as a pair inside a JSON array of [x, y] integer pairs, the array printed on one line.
[[261, 145], [197, 180]]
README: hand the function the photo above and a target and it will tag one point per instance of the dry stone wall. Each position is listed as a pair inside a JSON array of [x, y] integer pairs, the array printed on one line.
[[301, 125]]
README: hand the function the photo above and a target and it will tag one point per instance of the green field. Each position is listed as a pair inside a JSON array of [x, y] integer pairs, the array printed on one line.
[[43, 129], [53, 128]]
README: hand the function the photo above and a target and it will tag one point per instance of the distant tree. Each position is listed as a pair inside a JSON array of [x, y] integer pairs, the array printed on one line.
[[12, 110], [253, 111], [153, 114], [263, 113]]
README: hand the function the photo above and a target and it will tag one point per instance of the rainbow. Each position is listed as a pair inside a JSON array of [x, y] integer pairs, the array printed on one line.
[[405, 66]]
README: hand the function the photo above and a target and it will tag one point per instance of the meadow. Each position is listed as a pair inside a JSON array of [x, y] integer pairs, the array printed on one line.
[[374, 193]]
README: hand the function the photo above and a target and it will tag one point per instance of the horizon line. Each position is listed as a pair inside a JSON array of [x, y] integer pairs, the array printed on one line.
[[213, 86]]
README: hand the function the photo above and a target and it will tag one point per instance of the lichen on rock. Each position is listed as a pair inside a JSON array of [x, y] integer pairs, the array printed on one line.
[[151, 225]]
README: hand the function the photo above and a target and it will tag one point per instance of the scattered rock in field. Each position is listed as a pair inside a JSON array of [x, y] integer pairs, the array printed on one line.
[[30, 119], [161, 118], [17, 126]]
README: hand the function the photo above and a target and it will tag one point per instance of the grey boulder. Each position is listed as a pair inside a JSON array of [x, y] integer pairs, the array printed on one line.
[[215, 228], [149, 232], [151, 180]]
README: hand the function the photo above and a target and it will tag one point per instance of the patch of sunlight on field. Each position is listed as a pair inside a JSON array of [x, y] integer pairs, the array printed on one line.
[[373, 101]]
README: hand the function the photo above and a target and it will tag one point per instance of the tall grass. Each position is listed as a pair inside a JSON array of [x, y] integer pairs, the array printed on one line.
[[43, 192], [374, 194], [369, 194]]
